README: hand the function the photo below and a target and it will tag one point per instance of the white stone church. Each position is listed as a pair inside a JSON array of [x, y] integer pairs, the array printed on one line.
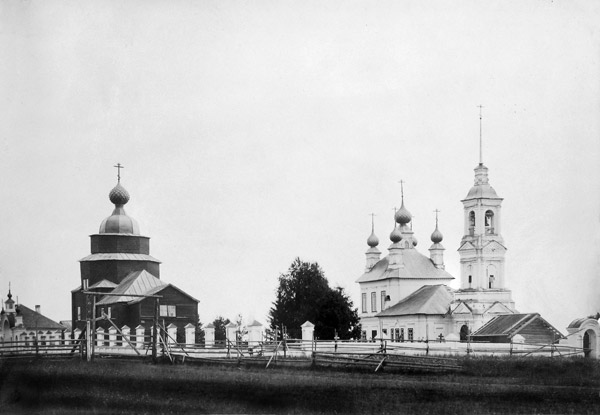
[[405, 296]]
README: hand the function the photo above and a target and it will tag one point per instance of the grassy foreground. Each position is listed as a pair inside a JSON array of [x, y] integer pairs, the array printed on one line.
[[487, 385]]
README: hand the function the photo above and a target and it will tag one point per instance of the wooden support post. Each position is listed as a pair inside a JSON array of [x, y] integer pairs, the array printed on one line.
[[155, 331], [88, 338], [122, 336], [92, 341]]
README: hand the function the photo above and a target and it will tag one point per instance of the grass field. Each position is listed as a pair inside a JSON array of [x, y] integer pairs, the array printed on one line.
[[486, 385]]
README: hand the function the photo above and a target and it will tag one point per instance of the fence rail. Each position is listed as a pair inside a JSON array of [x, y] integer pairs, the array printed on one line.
[[428, 356]]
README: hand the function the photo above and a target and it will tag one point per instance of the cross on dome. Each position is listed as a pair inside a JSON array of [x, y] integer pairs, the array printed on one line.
[[119, 166]]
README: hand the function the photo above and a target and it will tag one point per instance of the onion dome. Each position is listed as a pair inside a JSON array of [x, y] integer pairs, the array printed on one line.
[[373, 240], [414, 240], [396, 235], [119, 195], [119, 222], [403, 216], [436, 236]]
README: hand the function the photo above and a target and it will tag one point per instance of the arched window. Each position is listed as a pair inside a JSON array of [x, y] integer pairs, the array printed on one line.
[[491, 281], [471, 219], [489, 222]]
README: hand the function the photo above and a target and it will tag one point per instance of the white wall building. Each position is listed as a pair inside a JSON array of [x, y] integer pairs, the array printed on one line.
[[405, 297]]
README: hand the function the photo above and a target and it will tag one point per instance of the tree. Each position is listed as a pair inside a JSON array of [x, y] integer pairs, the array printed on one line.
[[304, 295], [220, 331]]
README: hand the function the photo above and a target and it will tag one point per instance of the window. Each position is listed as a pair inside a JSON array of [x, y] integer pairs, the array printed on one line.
[[410, 335], [373, 301], [364, 302], [470, 280], [168, 311], [78, 313], [489, 222], [383, 296], [402, 334], [471, 219], [491, 281], [397, 330]]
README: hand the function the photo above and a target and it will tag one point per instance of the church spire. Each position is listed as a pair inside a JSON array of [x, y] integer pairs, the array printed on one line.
[[373, 254], [436, 251], [480, 137]]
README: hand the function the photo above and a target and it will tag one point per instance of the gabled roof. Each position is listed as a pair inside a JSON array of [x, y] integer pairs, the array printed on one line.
[[159, 289], [33, 320], [103, 284], [509, 325], [416, 266], [137, 283], [462, 308], [498, 308], [429, 299]]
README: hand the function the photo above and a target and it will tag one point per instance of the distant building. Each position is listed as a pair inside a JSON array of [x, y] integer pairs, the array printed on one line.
[[120, 264], [20, 323], [405, 297]]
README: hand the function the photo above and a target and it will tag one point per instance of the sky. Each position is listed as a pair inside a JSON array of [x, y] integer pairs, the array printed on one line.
[[256, 132]]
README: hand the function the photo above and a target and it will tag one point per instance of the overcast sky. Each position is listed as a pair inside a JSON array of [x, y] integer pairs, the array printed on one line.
[[256, 132]]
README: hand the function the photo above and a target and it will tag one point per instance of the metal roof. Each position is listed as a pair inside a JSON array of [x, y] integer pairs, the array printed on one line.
[[103, 284], [33, 320], [416, 266], [429, 299], [511, 324], [136, 283], [119, 257]]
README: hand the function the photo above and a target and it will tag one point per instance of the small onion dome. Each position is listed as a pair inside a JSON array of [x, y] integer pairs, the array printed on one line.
[[436, 236], [414, 241], [403, 216], [396, 235], [118, 195], [119, 222], [373, 240]]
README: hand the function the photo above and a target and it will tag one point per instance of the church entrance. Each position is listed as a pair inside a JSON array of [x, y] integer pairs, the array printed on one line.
[[464, 333], [589, 343]]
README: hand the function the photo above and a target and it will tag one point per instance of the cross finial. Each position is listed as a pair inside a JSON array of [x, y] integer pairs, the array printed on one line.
[[480, 136], [372, 222], [119, 166], [402, 189], [436, 217]]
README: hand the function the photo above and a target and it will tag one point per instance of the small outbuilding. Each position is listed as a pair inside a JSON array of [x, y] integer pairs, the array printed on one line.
[[532, 327]]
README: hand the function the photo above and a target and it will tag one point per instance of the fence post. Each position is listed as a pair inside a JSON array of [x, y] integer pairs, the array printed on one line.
[[99, 336], [126, 334], [139, 336], [112, 336]]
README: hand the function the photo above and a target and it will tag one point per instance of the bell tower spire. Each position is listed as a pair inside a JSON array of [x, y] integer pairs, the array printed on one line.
[[482, 249]]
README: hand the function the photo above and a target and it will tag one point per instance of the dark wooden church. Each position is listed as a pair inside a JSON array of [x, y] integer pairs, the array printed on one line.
[[120, 264]]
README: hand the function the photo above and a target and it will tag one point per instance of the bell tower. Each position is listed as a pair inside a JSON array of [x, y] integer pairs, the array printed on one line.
[[482, 249]]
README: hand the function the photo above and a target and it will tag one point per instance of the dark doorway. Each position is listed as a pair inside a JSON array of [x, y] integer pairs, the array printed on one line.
[[589, 343], [464, 333]]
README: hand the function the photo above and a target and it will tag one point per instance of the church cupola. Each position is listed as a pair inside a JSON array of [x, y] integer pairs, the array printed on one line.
[[9, 304], [373, 254], [403, 217], [119, 222], [436, 251]]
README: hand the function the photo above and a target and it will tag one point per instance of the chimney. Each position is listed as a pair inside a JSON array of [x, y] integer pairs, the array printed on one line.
[[37, 309]]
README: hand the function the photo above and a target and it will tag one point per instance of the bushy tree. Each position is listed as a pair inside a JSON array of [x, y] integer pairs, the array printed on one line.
[[220, 331], [304, 295]]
